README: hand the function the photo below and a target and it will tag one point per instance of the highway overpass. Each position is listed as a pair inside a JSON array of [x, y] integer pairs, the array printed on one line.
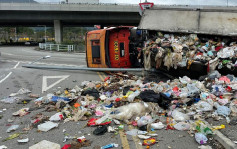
[[59, 15], [190, 19]]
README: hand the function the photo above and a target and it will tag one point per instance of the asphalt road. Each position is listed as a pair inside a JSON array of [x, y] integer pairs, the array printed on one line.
[[14, 77]]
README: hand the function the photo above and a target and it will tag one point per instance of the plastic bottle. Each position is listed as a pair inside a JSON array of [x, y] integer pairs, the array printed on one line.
[[109, 146]]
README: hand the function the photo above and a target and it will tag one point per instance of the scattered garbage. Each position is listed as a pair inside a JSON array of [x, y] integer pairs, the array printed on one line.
[[13, 136], [3, 147], [121, 99], [12, 128], [20, 92], [47, 126], [45, 145], [190, 52], [182, 126], [21, 112], [158, 125], [201, 138], [100, 130], [10, 100], [23, 140], [112, 145], [149, 142]]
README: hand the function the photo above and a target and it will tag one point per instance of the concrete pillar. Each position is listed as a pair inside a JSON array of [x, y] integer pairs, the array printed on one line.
[[58, 31]]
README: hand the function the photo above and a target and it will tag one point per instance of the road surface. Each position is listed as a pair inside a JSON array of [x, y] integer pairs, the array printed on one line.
[[14, 77]]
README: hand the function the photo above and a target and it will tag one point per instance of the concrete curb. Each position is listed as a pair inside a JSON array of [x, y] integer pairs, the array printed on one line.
[[226, 142]]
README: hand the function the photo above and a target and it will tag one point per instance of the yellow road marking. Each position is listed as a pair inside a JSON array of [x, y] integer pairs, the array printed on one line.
[[135, 139], [122, 135], [100, 76], [103, 74], [124, 140]]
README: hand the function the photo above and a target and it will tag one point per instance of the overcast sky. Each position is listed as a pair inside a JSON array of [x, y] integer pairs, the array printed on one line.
[[164, 2]]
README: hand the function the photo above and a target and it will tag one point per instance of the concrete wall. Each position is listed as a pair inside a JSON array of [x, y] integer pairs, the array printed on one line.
[[207, 21]]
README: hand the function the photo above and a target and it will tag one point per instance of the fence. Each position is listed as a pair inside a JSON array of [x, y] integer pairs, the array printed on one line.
[[61, 47]]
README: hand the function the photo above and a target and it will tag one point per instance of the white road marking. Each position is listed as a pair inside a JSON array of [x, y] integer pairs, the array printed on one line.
[[45, 86], [5, 77], [16, 65], [26, 62]]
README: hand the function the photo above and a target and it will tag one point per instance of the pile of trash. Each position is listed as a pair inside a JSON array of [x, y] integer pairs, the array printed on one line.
[[173, 51], [181, 104]]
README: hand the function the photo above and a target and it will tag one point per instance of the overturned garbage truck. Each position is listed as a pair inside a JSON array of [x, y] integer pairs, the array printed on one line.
[[180, 41]]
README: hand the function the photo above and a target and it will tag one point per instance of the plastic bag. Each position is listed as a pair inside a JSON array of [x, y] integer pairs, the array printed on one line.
[[204, 106], [201, 138], [223, 110], [131, 110], [12, 128], [182, 126], [56, 117], [144, 121], [159, 125], [192, 89], [179, 116], [10, 99], [214, 74]]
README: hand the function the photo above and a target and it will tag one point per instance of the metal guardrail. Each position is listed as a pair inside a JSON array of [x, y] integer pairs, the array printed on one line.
[[57, 47]]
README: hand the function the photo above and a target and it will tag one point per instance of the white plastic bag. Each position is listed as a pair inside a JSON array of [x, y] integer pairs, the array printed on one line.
[[179, 116], [182, 126], [144, 121], [56, 117], [159, 125], [204, 106]]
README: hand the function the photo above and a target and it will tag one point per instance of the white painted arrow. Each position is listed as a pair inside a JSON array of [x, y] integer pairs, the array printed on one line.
[[45, 86]]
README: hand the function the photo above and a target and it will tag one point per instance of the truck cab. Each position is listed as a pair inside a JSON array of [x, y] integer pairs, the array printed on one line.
[[110, 47]]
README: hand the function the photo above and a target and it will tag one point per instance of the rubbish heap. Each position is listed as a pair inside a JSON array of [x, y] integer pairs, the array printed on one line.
[[182, 104], [176, 50]]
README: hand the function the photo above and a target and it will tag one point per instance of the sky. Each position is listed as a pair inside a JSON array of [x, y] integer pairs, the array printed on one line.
[[166, 2]]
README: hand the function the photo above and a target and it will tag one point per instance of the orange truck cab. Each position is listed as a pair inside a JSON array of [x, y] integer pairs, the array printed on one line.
[[109, 48]]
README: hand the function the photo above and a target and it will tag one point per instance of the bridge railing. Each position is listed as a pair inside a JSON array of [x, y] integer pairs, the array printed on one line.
[[61, 47]]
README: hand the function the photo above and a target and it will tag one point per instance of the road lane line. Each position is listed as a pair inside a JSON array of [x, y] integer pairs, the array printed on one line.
[[100, 76], [135, 139], [124, 140], [6, 77], [103, 74], [16, 65]]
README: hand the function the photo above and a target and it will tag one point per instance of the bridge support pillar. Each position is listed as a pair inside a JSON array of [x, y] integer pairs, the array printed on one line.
[[58, 31]]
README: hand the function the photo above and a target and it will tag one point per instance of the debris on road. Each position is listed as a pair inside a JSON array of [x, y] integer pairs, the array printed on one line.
[[180, 104], [45, 145]]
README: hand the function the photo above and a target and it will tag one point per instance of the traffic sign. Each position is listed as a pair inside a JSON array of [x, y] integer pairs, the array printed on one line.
[[146, 5]]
